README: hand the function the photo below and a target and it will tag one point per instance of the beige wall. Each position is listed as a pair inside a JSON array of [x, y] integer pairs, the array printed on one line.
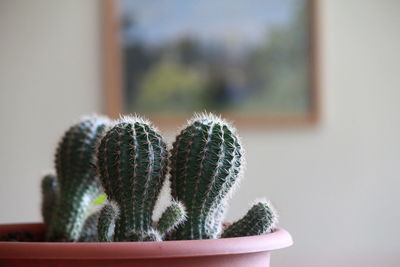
[[336, 185], [49, 76]]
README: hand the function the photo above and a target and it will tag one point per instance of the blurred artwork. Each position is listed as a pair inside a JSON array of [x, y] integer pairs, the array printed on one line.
[[243, 57]]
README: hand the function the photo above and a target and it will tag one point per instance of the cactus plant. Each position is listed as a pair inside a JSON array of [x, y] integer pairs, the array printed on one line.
[[106, 222], [206, 162], [76, 178], [260, 219], [49, 196], [171, 218], [89, 229], [132, 162]]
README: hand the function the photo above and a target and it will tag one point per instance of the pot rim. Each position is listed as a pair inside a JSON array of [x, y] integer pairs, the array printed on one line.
[[278, 239]]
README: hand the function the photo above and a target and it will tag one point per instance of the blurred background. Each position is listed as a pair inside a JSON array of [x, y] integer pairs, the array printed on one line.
[[233, 56], [335, 183]]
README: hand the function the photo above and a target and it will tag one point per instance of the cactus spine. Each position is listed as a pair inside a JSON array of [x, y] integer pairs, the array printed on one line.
[[260, 219], [76, 178], [133, 161], [206, 161]]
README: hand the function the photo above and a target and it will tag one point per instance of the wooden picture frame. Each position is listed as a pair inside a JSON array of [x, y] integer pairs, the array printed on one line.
[[113, 77]]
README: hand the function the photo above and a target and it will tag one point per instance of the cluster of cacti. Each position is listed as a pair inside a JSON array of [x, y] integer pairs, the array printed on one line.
[[129, 161]]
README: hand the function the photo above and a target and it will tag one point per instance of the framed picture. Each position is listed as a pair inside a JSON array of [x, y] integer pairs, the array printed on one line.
[[254, 61]]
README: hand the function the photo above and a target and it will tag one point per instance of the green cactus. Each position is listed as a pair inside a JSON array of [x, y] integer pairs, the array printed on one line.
[[89, 229], [49, 197], [206, 162], [106, 223], [215, 219], [76, 178], [132, 162], [260, 219], [173, 216]]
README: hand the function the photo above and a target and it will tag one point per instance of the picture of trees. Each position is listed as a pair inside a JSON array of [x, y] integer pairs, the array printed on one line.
[[235, 56]]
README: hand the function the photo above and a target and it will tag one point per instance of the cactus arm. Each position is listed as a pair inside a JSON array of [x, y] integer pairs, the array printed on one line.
[[132, 162], [106, 223], [71, 213], [173, 216], [76, 177], [215, 219], [89, 230], [260, 219], [49, 197], [206, 161]]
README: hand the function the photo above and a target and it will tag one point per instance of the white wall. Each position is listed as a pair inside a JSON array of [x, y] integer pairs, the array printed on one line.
[[336, 185], [49, 76]]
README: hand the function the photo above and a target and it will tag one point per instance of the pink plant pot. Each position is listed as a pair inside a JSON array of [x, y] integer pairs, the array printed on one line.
[[241, 251]]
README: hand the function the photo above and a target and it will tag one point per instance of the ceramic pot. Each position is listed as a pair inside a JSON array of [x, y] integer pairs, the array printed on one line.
[[240, 251]]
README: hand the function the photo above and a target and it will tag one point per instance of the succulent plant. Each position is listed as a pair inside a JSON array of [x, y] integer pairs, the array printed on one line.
[[106, 222], [131, 165], [171, 218], [49, 196], [206, 162], [78, 184], [260, 219], [89, 229], [132, 162]]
